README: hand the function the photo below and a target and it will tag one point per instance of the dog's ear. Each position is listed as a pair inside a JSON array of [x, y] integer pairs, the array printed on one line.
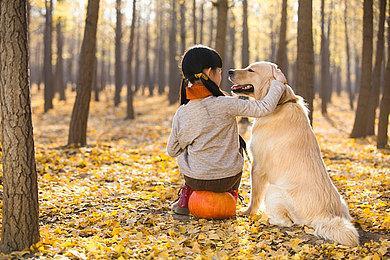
[[278, 74]]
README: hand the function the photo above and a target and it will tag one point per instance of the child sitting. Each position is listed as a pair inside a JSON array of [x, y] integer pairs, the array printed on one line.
[[204, 135]]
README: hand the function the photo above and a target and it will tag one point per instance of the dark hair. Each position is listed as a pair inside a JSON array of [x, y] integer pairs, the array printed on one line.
[[194, 61]]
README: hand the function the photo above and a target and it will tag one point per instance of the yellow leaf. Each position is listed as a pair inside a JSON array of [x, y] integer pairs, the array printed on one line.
[[119, 249], [294, 243]]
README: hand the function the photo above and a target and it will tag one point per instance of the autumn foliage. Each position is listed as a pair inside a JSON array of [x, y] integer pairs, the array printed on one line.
[[112, 198]]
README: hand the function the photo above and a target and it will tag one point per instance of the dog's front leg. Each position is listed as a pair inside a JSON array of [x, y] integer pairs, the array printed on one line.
[[258, 188]]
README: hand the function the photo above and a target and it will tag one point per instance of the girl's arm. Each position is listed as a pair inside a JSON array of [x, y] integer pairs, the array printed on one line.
[[173, 147], [257, 108]]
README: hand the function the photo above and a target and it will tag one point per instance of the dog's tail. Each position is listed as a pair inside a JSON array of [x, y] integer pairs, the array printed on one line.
[[338, 229]]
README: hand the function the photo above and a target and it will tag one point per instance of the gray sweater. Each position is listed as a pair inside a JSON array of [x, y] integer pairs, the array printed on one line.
[[204, 135]]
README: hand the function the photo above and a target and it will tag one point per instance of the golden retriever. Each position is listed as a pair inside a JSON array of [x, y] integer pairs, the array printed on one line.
[[288, 174]]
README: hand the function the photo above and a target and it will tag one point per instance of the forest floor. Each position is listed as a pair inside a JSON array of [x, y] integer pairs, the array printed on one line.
[[112, 198]]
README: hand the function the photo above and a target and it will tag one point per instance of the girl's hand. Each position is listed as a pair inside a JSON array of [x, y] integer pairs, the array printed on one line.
[[278, 75], [278, 84]]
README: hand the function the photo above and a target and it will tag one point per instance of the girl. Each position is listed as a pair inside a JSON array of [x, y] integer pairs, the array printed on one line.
[[204, 135]]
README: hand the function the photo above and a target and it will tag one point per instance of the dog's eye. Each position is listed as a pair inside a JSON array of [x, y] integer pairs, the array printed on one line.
[[251, 70]]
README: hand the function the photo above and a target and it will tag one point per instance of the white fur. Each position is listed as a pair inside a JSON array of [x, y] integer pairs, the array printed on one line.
[[288, 173]]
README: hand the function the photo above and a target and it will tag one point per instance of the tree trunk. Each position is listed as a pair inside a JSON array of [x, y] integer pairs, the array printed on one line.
[[147, 81], [20, 228], [211, 28], [95, 86], [78, 123], [47, 66], [194, 22], [183, 26], [272, 54], [118, 54], [329, 90], [325, 73], [69, 65], [103, 70], [359, 127], [351, 94], [305, 54], [109, 79], [130, 107], [201, 22], [222, 10], [338, 81], [60, 84], [161, 54], [173, 93], [245, 36], [281, 57], [376, 74], [137, 82], [357, 73], [383, 124], [156, 48], [232, 41]]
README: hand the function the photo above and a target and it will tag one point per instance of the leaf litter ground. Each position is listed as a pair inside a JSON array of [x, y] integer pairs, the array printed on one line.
[[112, 198]]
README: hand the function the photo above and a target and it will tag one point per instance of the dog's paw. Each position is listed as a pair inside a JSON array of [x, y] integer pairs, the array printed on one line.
[[248, 212], [280, 222]]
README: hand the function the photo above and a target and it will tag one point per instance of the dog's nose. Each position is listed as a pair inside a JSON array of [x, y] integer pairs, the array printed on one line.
[[231, 72]]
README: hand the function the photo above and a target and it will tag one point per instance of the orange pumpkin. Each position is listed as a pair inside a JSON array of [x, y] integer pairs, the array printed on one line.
[[209, 205]]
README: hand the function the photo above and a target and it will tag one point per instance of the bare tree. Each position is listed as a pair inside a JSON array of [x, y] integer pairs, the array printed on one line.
[[325, 83], [20, 227], [338, 80], [359, 127], [245, 35], [47, 65], [183, 25], [173, 93], [232, 41], [147, 77], [272, 47], [201, 22], [211, 41], [220, 45], [357, 72], [95, 85], [383, 124], [222, 10], [118, 53], [376, 74], [161, 52], [60, 83], [305, 54], [281, 56], [348, 54], [103, 69], [78, 123], [194, 21], [137, 80], [69, 64], [130, 107]]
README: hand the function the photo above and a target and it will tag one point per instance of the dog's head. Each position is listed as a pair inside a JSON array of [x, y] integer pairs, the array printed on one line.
[[254, 80]]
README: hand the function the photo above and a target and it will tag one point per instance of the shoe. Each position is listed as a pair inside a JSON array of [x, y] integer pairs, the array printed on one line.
[[234, 193], [181, 205]]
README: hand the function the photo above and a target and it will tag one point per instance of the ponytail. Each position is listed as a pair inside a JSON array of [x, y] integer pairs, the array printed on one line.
[[183, 96], [212, 87]]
